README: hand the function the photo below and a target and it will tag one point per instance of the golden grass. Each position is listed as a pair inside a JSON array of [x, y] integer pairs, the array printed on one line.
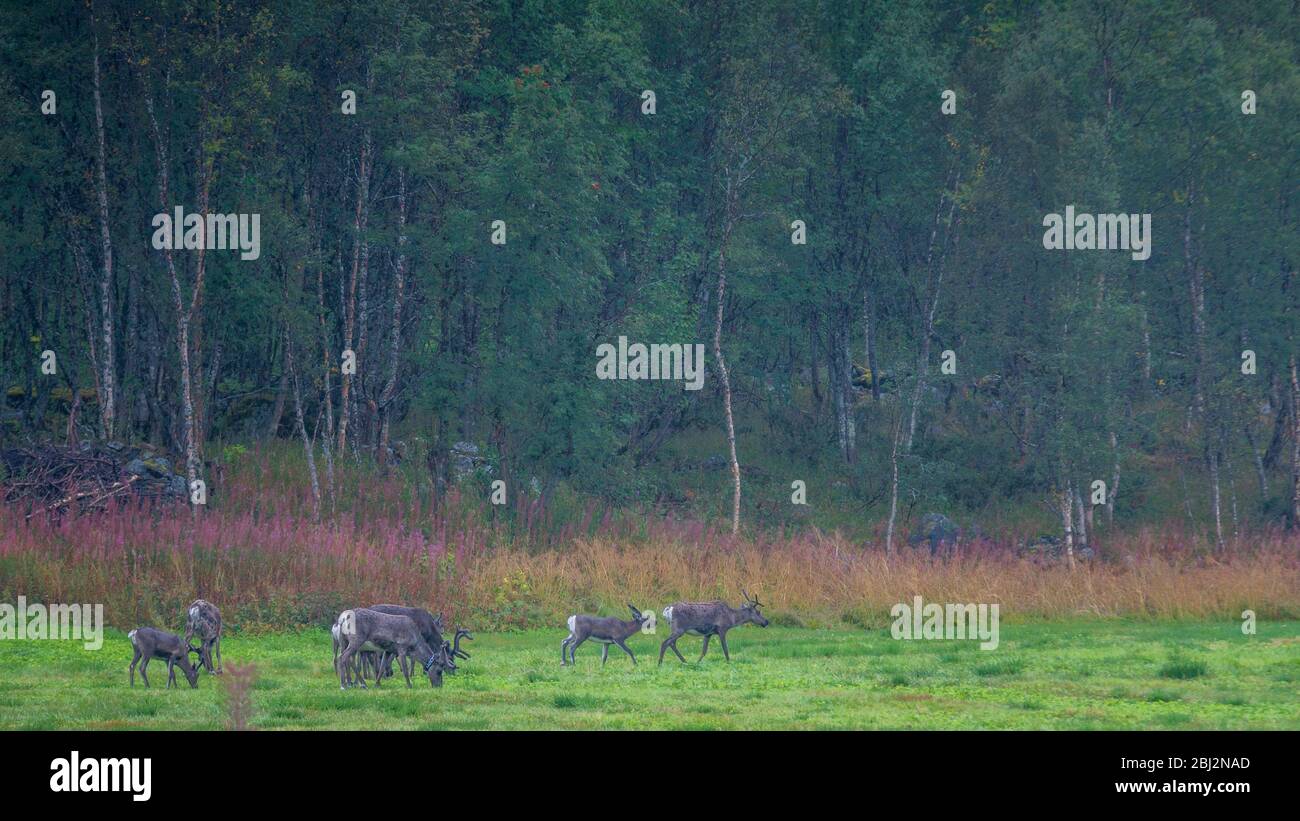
[[280, 571]]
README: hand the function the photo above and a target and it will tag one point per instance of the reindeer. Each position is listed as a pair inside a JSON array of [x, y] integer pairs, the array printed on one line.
[[204, 619], [369, 660], [384, 664], [605, 630], [708, 619], [151, 643], [368, 629], [430, 628]]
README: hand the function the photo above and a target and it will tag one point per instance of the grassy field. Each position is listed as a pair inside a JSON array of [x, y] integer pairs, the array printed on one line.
[[1066, 675]]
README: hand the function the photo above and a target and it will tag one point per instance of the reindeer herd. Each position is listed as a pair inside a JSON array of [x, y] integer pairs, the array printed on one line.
[[707, 619], [367, 640]]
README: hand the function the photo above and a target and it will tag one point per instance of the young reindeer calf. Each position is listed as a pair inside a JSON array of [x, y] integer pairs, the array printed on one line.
[[604, 630], [151, 643]]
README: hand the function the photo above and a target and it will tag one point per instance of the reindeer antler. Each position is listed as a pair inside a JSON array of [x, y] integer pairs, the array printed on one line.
[[461, 633]]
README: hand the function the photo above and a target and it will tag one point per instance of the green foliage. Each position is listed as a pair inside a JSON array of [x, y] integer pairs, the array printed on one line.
[[1071, 367], [778, 678]]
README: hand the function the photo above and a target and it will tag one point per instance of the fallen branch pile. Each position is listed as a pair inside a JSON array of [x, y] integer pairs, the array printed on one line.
[[53, 479]]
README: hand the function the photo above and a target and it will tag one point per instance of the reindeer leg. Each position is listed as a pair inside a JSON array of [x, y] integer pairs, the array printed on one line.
[[671, 641], [143, 665], [573, 650], [345, 667], [133, 661], [705, 650], [340, 670], [604, 654], [564, 647], [359, 668], [677, 652], [621, 643], [722, 637]]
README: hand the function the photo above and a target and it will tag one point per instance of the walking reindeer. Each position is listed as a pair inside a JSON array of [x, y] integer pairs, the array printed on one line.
[[605, 631], [708, 619]]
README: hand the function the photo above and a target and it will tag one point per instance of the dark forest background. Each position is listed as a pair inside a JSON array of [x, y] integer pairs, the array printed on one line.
[[924, 235]]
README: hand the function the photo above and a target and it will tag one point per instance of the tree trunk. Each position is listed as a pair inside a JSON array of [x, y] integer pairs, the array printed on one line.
[[722, 363], [1295, 444], [1082, 513], [927, 322], [302, 428], [870, 334], [1196, 288], [813, 338], [893, 485], [183, 315], [107, 397], [1258, 459], [395, 343], [360, 218], [1067, 521], [841, 379], [1113, 490], [277, 410], [327, 391]]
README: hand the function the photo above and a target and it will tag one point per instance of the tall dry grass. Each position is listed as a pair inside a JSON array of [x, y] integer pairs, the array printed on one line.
[[269, 566]]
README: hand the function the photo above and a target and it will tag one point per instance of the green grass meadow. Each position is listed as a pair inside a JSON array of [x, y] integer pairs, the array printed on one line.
[[1055, 675]]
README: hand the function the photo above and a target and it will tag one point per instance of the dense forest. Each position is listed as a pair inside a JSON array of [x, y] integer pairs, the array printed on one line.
[[438, 213]]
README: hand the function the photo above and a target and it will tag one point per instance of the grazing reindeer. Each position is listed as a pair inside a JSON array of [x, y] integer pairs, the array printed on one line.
[[708, 619], [368, 629], [340, 642], [605, 630], [204, 620], [151, 643], [383, 666], [368, 660], [430, 628]]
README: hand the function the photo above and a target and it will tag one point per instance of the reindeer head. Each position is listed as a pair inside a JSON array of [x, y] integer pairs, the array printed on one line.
[[437, 664], [637, 614], [191, 671], [750, 610]]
